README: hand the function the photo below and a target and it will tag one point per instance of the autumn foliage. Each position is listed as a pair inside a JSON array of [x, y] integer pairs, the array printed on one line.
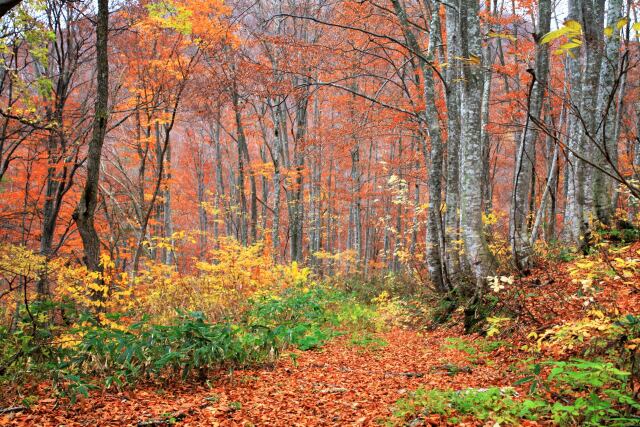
[[367, 212]]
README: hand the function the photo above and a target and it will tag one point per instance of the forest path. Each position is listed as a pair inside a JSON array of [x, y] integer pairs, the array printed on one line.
[[337, 385]]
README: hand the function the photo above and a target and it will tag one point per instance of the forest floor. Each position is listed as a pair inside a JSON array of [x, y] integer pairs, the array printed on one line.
[[339, 384], [356, 381]]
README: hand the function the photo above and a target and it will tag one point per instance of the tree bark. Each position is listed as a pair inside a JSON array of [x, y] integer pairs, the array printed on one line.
[[574, 176], [435, 160], [592, 24], [296, 192], [525, 159], [477, 251], [84, 214], [167, 214], [240, 143], [606, 156], [454, 98]]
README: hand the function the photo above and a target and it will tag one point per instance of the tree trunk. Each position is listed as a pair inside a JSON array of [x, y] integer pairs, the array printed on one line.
[[454, 98], [279, 129], [167, 211], [476, 249], [203, 221], [356, 207], [606, 156], [85, 211], [240, 143], [593, 22], [525, 159], [432, 123], [574, 200], [220, 202], [296, 204]]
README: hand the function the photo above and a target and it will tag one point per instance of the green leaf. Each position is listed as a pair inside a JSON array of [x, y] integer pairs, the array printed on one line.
[[524, 380]]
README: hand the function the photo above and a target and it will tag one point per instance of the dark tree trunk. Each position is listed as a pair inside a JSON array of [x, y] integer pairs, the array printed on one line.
[[85, 211]]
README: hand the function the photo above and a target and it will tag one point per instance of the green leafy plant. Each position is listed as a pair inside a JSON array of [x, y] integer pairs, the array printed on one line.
[[99, 352], [584, 392], [460, 344], [494, 404], [367, 341], [576, 392]]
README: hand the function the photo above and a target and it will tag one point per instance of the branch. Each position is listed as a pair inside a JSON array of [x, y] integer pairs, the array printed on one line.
[[372, 34], [364, 96]]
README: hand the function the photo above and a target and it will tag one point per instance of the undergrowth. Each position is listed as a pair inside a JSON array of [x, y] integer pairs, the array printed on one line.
[[576, 392], [92, 354]]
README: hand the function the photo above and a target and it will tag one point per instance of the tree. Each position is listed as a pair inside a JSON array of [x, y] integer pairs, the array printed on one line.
[[606, 140], [7, 5], [526, 153], [85, 211], [435, 159], [476, 249]]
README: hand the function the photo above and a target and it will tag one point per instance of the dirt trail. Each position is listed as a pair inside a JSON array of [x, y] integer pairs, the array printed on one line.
[[338, 385]]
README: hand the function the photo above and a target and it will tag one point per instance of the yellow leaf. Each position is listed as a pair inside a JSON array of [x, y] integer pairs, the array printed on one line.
[[570, 45], [552, 35], [501, 35], [471, 59], [621, 23], [573, 25]]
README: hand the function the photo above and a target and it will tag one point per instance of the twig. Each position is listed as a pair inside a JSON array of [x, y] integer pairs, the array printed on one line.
[[12, 409], [168, 420]]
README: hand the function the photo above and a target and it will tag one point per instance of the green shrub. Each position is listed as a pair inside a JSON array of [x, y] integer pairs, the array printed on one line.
[[474, 350], [566, 393], [460, 344], [303, 318], [620, 235], [366, 289], [27, 347], [367, 341], [355, 316], [188, 346], [559, 252], [493, 404], [103, 353], [294, 305], [589, 393]]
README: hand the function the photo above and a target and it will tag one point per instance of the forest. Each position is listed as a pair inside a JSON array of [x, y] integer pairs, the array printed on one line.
[[319, 213]]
